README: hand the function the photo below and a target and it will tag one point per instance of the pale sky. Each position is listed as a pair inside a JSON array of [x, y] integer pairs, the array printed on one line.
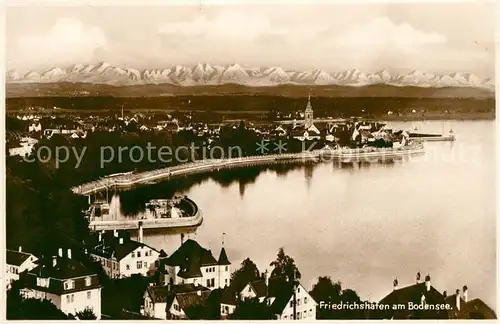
[[302, 36]]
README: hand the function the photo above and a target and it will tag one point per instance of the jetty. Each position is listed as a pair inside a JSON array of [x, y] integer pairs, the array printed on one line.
[[210, 165], [431, 137], [189, 216]]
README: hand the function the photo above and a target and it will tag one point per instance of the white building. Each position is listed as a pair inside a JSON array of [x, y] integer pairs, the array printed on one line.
[[35, 127], [282, 298], [122, 256], [173, 301], [193, 264], [65, 282], [17, 262], [278, 294], [25, 148]]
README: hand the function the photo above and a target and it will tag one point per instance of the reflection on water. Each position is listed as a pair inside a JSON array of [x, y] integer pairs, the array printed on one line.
[[360, 223]]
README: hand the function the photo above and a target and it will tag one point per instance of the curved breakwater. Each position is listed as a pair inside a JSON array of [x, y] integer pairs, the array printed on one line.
[[344, 155]]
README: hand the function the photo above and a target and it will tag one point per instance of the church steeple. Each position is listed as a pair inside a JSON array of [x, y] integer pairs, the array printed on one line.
[[308, 118]]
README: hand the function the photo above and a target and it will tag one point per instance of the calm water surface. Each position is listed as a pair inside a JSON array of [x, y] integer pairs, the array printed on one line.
[[363, 225]]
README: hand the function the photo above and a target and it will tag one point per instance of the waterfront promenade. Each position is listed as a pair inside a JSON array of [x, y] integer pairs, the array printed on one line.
[[208, 165]]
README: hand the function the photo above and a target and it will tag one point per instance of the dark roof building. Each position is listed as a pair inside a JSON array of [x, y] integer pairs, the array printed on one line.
[[223, 260], [17, 258], [435, 305]]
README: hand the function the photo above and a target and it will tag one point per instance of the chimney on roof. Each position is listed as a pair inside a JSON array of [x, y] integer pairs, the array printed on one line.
[[60, 252], [54, 261], [20, 248], [418, 277], [457, 299], [395, 284], [121, 240], [427, 282], [445, 294], [182, 238], [69, 253], [465, 293]]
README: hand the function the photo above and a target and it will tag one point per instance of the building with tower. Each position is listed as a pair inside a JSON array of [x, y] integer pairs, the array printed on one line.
[[309, 131], [193, 264]]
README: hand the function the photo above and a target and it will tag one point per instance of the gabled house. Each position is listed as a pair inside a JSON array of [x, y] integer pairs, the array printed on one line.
[[423, 294], [155, 301], [463, 308], [279, 294], [183, 298], [18, 262], [254, 289], [193, 264], [289, 301], [65, 282], [122, 256], [418, 293]]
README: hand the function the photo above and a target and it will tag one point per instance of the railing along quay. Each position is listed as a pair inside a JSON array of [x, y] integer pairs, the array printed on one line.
[[210, 164]]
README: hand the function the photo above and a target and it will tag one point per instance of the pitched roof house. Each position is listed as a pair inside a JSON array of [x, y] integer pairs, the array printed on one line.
[[173, 301], [422, 293], [17, 262], [194, 264], [278, 293], [121, 256], [65, 282]]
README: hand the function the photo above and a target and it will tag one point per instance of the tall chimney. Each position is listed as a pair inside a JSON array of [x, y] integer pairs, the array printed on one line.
[[418, 277], [54, 261], [457, 299], [182, 238], [69, 253], [20, 248], [60, 252], [395, 284], [445, 294], [465, 293], [427, 282], [140, 234]]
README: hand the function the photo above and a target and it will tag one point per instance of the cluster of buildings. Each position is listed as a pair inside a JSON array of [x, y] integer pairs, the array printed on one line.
[[345, 132], [188, 277], [182, 281], [433, 303]]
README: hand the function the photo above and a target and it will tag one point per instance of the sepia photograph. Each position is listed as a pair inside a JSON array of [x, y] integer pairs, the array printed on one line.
[[250, 160]]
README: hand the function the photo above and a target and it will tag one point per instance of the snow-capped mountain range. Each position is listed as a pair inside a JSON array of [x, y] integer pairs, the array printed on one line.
[[206, 74]]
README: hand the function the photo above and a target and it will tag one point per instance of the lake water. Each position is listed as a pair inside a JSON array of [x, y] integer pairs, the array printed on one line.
[[363, 225]]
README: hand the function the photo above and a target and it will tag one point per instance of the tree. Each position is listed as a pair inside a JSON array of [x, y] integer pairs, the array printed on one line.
[[86, 314], [252, 309], [284, 267], [247, 273], [325, 290]]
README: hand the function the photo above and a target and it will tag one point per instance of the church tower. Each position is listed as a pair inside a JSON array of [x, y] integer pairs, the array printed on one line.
[[308, 118]]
